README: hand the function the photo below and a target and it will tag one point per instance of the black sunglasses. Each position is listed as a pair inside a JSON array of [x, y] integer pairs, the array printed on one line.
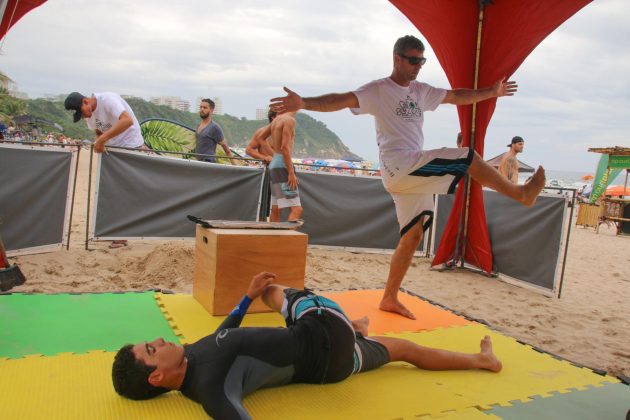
[[414, 60]]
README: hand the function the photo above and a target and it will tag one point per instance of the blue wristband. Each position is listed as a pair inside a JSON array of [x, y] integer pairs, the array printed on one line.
[[242, 307]]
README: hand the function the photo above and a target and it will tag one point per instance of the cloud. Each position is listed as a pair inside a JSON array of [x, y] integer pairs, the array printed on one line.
[[573, 89]]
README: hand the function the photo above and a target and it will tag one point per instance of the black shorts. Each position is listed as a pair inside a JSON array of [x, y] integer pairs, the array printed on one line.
[[342, 351]]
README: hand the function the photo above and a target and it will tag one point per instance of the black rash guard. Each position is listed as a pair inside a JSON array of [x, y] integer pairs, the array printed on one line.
[[226, 366]]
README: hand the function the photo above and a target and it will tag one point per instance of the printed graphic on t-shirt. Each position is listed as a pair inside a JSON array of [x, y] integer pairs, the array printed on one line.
[[409, 109], [102, 126]]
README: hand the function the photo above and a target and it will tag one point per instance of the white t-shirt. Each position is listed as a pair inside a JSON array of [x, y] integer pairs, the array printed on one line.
[[109, 106], [399, 114]]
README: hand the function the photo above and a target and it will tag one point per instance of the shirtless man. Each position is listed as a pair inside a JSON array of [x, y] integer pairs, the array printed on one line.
[[509, 163], [258, 146], [284, 182]]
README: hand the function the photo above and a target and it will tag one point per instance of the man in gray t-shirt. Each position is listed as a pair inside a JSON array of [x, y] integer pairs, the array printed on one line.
[[209, 134]]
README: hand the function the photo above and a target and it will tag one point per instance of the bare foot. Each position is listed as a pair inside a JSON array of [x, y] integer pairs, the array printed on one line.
[[533, 187], [488, 360], [396, 307], [361, 325]]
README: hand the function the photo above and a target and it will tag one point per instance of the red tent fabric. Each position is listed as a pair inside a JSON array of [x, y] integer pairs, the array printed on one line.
[[14, 11], [511, 29]]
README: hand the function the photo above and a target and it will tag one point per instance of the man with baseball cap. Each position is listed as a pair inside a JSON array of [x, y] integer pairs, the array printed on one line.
[[509, 163], [110, 116]]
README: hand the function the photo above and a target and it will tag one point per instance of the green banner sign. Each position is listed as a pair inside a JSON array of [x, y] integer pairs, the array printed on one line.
[[603, 176], [621, 162]]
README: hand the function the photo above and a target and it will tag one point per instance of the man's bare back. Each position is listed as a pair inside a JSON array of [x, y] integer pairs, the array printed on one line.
[[259, 146], [283, 133]]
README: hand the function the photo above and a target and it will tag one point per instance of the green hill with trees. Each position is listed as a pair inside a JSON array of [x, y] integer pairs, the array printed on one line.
[[312, 137]]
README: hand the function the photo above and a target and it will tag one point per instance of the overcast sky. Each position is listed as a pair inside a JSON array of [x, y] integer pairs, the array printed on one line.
[[574, 89]]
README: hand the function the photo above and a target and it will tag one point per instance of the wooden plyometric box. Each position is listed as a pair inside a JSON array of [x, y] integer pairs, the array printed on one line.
[[227, 259]]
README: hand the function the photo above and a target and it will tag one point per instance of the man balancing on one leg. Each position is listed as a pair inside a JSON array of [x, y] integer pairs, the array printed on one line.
[[410, 174], [319, 345]]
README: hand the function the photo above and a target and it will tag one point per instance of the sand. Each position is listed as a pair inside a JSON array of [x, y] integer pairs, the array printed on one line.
[[590, 324]]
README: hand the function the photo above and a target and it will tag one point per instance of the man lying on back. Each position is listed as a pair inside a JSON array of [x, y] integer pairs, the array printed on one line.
[[319, 345]]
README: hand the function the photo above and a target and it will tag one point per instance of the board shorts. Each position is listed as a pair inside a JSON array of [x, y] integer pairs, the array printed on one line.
[[350, 352], [435, 172], [282, 195]]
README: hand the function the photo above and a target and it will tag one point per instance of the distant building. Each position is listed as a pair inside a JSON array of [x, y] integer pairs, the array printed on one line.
[[261, 113], [55, 97], [174, 102], [218, 104], [7, 83]]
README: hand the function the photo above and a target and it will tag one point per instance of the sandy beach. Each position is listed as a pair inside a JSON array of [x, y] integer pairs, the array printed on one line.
[[590, 324]]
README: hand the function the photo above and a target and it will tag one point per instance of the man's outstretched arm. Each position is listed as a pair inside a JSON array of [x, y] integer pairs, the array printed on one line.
[[257, 287], [471, 96], [325, 103]]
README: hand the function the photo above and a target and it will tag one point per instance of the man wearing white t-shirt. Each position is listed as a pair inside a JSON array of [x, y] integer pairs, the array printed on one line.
[[411, 174], [110, 116], [115, 124]]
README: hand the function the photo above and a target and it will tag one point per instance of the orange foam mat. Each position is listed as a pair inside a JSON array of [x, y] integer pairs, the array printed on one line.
[[358, 303]]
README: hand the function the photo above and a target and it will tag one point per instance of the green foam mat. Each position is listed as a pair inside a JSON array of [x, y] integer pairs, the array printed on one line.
[[77, 323], [610, 401]]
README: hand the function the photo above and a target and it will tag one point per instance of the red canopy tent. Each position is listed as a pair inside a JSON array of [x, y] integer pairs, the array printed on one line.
[[12, 10], [477, 43]]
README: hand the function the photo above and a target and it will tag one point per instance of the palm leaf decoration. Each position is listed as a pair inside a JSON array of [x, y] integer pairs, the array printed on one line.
[[170, 136]]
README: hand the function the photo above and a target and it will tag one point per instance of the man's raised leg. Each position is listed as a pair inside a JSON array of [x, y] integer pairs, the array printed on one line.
[[401, 260], [437, 359], [487, 176]]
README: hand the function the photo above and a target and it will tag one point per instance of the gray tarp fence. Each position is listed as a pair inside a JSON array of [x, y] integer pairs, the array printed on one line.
[[146, 196], [141, 195], [349, 211], [34, 196], [526, 241]]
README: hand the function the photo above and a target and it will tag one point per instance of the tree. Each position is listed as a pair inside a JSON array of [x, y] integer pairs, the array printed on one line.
[[10, 107]]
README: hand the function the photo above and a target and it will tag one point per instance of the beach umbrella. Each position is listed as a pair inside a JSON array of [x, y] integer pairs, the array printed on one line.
[[12, 10], [478, 42], [617, 190], [587, 177]]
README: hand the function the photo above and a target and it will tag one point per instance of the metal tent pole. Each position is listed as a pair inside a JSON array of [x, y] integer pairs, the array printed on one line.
[[74, 189], [89, 191]]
